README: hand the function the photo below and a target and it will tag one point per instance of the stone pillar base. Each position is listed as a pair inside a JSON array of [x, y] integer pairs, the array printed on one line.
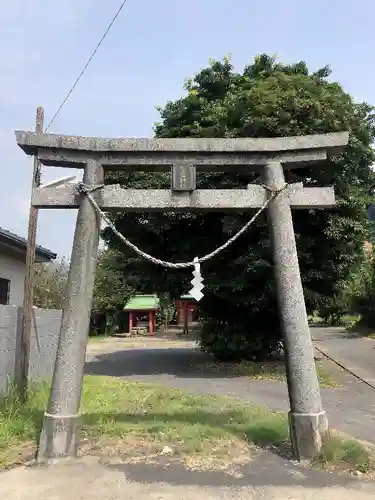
[[306, 431], [59, 438]]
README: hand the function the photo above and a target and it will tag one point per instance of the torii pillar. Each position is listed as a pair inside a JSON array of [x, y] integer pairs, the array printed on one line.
[[307, 419], [269, 156]]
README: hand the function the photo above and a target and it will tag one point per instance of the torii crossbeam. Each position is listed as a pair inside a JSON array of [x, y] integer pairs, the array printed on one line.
[[186, 158]]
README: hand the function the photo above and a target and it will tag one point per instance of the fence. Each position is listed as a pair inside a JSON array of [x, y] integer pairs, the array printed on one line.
[[44, 337]]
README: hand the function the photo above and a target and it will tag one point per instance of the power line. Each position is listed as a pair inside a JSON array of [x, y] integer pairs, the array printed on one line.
[[87, 64]]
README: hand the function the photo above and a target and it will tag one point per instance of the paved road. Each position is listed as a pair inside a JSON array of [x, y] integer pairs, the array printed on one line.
[[350, 408], [355, 352], [86, 479]]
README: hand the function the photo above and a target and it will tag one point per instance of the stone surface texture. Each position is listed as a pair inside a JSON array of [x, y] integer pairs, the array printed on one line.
[[30, 141], [158, 161], [116, 198], [61, 150], [303, 385], [58, 437]]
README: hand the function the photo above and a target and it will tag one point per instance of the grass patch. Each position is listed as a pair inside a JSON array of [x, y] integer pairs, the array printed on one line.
[[135, 420], [269, 370], [346, 453], [314, 319], [360, 328], [144, 418], [354, 324], [326, 378], [350, 321], [96, 338]]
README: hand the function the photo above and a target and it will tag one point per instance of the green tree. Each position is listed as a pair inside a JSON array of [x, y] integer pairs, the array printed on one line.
[[361, 290], [50, 282], [111, 289], [267, 99]]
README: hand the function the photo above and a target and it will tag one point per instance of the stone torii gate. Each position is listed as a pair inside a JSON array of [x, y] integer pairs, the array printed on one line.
[[269, 157]]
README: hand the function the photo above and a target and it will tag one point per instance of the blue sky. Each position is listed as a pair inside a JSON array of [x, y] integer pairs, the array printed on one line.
[[151, 49]]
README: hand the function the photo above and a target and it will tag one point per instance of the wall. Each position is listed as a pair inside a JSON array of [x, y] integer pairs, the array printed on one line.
[[14, 270], [44, 337]]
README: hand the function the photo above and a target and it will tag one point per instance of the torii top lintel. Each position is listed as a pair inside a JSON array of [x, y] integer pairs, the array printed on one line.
[[205, 154]]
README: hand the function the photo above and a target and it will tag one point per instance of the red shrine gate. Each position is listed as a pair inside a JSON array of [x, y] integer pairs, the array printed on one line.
[[187, 311]]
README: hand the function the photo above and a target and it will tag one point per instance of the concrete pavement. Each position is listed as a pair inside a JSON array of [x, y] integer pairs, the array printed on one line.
[[269, 478], [352, 351]]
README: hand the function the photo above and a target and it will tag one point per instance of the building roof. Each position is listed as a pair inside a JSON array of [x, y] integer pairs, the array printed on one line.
[[21, 243], [142, 303]]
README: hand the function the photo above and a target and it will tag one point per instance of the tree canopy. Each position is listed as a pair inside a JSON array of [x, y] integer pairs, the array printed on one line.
[[266, 99], [50, 281], [111, 290]]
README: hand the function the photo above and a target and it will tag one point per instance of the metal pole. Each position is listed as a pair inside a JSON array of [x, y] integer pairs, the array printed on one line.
[[27, 309], [59, 436], [307, 419]]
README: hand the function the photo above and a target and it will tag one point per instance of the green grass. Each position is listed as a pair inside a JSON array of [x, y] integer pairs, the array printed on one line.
[[357, 326], [270, 370], [352, 323], [346, 453], [135, 419], [95, 338], [347, 321], [314, 319]]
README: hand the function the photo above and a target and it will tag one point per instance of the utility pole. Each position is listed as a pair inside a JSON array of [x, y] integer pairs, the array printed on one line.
[[27, 308]]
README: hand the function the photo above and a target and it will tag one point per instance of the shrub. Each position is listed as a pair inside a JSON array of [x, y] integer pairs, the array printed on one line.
[[240, 339]]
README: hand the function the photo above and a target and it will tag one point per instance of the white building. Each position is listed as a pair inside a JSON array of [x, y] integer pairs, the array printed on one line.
[[13, 266]]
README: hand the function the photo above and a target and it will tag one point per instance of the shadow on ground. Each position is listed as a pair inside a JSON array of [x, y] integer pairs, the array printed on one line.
[[178, 362], [265, 470]]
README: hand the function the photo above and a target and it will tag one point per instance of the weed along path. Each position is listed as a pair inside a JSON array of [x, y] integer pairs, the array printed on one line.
[[349, 403]]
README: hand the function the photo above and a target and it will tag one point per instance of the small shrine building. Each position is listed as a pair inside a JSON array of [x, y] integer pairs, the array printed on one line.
[[142, 311]]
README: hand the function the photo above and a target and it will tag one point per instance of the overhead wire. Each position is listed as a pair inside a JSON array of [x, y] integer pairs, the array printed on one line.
[[86, 65]]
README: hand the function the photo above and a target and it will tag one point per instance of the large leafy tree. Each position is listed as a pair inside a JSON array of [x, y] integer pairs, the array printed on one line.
[[267, 99], [112, 287], [50, 282], [111, 290]]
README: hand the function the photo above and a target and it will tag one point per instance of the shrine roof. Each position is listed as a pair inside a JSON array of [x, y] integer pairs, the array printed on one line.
[[142, 303]]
